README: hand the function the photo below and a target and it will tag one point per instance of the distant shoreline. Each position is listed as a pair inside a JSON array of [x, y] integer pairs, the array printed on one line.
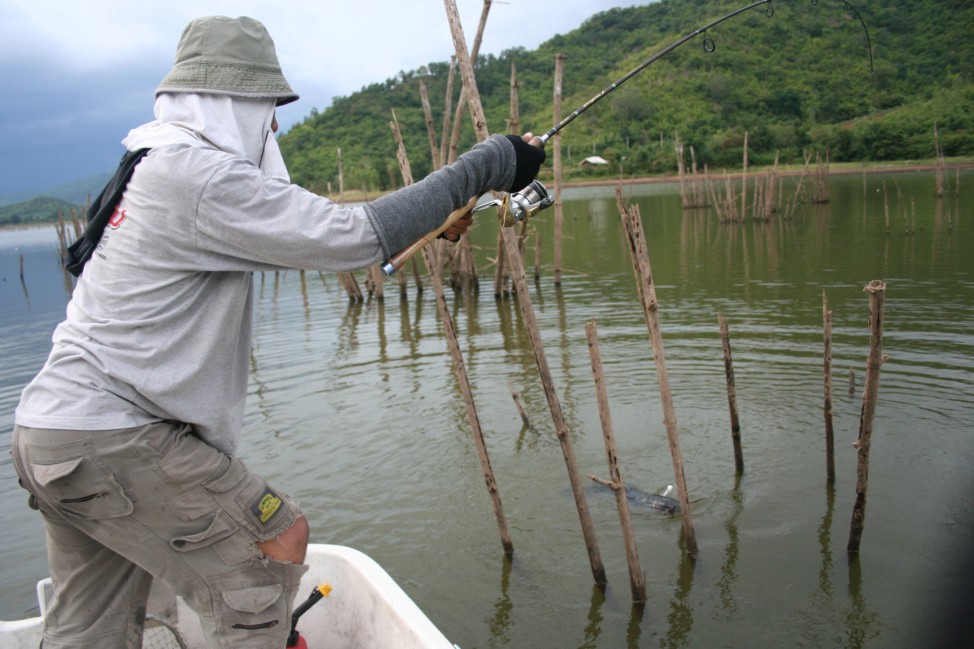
[[11, 227], [835, 169], [843, 170]]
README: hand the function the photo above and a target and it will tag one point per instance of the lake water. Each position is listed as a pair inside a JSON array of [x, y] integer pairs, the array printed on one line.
[[354, 409]]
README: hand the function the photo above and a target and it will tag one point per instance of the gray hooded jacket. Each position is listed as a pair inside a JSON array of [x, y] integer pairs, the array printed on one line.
[[159, 325]]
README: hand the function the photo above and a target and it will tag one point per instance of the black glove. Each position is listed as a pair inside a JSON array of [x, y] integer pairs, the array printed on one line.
[[529, 161]]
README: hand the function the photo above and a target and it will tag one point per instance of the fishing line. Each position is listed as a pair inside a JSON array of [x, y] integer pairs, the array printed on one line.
[[708, 45]]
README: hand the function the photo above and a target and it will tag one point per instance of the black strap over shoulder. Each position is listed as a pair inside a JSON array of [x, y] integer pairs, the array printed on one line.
[[100, 212]]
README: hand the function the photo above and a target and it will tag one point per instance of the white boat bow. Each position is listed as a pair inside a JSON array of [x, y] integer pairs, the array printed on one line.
[[365, 610]]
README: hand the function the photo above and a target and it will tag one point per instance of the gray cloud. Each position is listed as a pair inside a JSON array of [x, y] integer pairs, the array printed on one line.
[[72, 91]]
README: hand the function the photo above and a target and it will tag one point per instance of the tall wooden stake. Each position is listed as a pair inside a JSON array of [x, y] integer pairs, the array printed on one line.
[[647, 293], [637, 581], [556, 156], [829, 430], [877, 295], [500, 268], [514, 121], [537, 256], [347, 280], [428, 114], [378, 282], [465, 96], [731, 395], [447, 112], [23, 282], [744, 183], [527, 309], [458, 365], [561, 426]]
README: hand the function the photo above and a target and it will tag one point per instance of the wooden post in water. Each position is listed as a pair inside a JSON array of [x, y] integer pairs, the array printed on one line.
[[680, 169], [514, 121], [351, 286], [561, 426], [465, 89], [822, 192], [377, 280], [877, 295], [458, 365], [347, 280], [829, 430], [637, 581], [886, 206], [744, 183], [500, 268], [447, 112], [647, 294], [527, 309], [731, 395], [417, 276], [513, 124], [61, 236], [428, 114], [537, 255], [341, 178], [556, 165], [517, 402], [23, 282]]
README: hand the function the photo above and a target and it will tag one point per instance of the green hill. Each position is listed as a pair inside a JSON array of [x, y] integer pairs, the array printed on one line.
[[38, 210], [77, 192], [797, 81]]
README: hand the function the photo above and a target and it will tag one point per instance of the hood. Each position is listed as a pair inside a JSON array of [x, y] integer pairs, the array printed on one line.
[[236, 125]]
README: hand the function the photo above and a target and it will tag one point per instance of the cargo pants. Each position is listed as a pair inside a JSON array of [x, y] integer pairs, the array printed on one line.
[[122, 507]]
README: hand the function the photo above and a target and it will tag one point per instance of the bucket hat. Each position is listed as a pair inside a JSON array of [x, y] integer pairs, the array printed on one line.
[[227, 56]]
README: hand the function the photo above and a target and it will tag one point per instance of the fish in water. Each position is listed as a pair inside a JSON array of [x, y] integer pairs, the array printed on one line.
[[636, 496], [664, 503]]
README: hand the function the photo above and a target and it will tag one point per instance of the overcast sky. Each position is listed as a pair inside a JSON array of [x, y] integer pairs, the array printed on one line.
[[78, 75]]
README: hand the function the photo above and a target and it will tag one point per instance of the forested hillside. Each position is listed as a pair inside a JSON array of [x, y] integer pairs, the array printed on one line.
[[797, 81], [37, 210]]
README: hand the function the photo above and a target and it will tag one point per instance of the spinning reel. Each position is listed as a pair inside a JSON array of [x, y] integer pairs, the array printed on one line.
[[521, 205]]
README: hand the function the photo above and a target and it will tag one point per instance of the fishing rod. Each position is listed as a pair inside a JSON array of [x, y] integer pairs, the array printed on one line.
[[517, 206], [708, 45]]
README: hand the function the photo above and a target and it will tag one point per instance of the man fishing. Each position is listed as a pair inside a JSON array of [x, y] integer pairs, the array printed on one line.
[[125, 440]]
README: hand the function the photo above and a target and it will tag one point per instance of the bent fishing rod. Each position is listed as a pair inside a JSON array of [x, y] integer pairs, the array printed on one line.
[[708, 45], [523, 204]]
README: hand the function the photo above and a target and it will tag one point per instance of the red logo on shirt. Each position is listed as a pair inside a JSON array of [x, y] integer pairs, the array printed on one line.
[[117, 218]]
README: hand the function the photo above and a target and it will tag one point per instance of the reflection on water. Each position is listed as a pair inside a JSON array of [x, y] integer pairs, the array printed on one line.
[[680, 617], [353, 408], [728, 570], [825, 540], [501, 623], [861, 623]]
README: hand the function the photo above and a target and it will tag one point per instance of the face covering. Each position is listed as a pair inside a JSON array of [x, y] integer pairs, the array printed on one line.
[[240, 126]]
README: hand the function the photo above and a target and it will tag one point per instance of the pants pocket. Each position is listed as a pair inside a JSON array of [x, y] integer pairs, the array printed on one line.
[[83, 487], [258, 613], [224, 537]]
